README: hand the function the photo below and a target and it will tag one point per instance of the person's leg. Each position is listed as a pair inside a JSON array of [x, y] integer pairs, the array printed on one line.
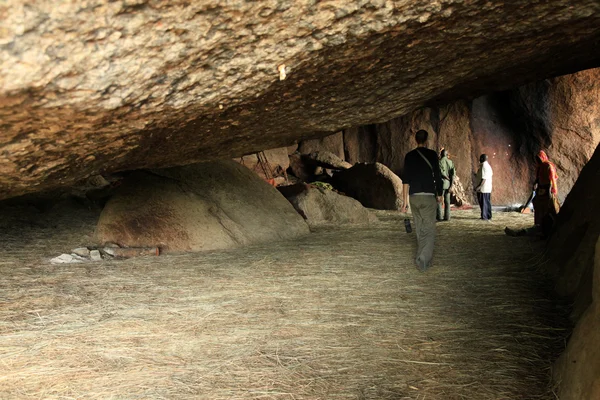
[[438, 213], [446, 205], [415, 206], [427, 235], [487, 206], [480, 201]]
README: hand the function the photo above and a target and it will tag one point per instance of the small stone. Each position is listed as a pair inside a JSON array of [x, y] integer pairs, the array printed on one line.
[[95, 255], [81, 251], [65, 259]]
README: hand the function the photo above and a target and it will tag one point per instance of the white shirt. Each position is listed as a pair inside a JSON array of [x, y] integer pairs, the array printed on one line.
[[485, 172]]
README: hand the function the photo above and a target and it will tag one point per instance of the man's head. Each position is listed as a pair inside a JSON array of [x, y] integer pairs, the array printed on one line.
[[421, 136], [483, 158], [443, 153]]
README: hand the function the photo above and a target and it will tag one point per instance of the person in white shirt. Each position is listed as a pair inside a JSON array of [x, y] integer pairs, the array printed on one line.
[[484, 188]]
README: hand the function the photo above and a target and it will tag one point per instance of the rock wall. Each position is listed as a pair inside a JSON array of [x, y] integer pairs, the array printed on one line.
[[277, 162], [333, 144], [91, 87], [574, 254], [560, 115]]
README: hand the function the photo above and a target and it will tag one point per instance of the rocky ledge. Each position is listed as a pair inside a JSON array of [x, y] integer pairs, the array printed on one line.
[[98, 86]]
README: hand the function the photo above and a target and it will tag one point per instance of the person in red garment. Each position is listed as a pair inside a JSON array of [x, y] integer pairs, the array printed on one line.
[[545, 202]]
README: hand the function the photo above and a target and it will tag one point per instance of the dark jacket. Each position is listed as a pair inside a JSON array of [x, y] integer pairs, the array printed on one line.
[[419, 175]]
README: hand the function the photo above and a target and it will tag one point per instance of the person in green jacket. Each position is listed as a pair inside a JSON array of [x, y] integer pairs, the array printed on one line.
[[448, 173]]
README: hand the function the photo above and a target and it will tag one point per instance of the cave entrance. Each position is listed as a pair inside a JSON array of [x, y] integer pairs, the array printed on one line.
[[340, 313]]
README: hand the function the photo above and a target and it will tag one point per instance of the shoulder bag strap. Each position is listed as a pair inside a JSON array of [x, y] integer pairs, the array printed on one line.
[[426, 160]]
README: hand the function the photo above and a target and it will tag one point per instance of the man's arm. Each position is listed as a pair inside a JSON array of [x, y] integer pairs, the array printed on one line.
[[523, 207], [478, 188], [405, 188]]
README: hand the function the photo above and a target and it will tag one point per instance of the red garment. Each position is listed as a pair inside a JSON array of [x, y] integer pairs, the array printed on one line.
[[546, 172]]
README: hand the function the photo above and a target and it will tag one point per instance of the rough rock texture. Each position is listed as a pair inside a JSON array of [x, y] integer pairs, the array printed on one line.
[[459, 195], [360, 144], [277, 160], [574, 257], [324, 207], [560, 115], [207, 206], [564, 115], [300, 167], [578, 370], [571, 246], [88, 87], [328, 160], [374, 185], [333, 144]]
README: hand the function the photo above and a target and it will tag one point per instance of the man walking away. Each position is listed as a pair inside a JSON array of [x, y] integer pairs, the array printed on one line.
[[484, 188], [422, 180], [447, 171]]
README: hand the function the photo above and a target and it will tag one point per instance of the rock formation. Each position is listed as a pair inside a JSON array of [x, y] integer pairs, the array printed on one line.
[[112, 86], [578, 368], [571, 245], [275, 165], [559, 115], [333, 144], [325, 207], [374, 185], [207, 206], [574, 255]]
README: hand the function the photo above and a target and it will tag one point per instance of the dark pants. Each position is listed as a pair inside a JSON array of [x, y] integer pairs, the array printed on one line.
[[446, 207], [485, 203]]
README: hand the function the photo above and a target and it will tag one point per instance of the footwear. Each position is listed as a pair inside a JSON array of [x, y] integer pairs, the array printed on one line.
[[422, 268]]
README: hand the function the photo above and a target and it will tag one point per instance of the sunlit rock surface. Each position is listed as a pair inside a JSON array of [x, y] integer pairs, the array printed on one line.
[[560, 115], [93, 86]]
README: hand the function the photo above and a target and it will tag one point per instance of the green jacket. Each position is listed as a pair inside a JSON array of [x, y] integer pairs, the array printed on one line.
[[447, 169]]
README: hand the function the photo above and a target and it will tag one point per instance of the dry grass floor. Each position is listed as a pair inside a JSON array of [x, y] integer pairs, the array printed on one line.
[[340, 314]]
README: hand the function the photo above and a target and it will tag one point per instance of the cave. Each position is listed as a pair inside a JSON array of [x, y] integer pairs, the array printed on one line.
[[204, 199]]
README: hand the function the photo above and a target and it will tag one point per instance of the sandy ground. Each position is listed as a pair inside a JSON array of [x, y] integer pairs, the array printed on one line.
[[340, 314]]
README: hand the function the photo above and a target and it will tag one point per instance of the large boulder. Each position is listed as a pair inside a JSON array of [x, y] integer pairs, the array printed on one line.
[[374, 185], [325, 159], [577, 371], [571, 245], [574, 257], [321, 206], [207, 206]]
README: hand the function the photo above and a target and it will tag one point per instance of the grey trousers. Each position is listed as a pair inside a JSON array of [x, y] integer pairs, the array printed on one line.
[[446, 213], [423, 210]]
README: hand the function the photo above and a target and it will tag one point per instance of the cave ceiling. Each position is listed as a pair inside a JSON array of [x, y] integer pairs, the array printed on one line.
[[91, 87]]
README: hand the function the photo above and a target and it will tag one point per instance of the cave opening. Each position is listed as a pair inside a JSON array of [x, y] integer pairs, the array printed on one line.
[[341, 310]]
